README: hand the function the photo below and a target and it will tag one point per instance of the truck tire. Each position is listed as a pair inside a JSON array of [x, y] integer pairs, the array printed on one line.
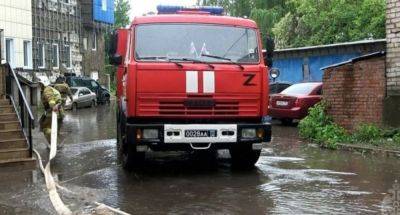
[[130, 158], [243, 156]]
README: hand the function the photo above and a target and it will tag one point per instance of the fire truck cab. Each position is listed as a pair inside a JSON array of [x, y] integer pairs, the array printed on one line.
[[190, 79]]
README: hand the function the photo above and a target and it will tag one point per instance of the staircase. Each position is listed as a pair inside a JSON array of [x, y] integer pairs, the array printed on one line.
[[15, 147]]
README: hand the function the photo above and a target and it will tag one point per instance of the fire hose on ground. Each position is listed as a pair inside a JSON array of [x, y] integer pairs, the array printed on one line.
[[52, 186]]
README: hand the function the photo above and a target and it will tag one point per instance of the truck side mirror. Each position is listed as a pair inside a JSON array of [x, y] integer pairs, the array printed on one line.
[[116, 59], [269, 54], [112, 48]]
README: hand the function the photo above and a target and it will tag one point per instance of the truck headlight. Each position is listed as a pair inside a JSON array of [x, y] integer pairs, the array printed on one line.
[[150, 133], [248, 133]]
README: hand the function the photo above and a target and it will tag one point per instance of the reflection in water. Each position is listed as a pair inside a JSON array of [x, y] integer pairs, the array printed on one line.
[[290, 178]]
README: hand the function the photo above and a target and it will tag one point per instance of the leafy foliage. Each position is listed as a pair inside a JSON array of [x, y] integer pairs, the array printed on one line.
[[319, 127], [121, 13], [367, 133], [396, 138], [296, 23]]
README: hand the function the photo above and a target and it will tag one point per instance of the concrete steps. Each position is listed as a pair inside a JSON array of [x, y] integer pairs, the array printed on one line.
[[7, 125], [14, 151], [8, 117], [13, 143], [14, 154], [4, 102], [6, 109], [11, 134], [19, 163]]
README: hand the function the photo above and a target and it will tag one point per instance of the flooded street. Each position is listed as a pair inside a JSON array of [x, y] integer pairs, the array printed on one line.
[[290, 177]]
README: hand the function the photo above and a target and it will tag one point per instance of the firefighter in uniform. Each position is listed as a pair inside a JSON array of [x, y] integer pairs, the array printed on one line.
[[64, 90], [52, 102]]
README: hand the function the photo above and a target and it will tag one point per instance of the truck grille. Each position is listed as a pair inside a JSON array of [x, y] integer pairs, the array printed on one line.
[[178, 106]]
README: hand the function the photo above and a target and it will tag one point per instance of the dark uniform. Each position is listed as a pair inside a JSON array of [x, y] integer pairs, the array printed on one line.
[[50, 98]]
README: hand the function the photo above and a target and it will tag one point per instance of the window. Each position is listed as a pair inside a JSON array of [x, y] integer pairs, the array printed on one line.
[[158, 42], [104, 5], [55, 56], [300, 89], [27, 53], [42, 56], [68, 62], [94, 41], [10, 51], [94, 84], [85, 43]]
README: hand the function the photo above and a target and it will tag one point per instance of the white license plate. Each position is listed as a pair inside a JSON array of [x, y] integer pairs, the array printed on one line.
[[201, 133], [282, 103]]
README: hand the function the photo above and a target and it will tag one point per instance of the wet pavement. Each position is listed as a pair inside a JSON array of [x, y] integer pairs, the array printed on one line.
[[291, 177]]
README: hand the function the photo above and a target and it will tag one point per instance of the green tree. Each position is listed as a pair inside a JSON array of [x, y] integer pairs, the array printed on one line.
[[316, 22], [121, 13], [296, 23]]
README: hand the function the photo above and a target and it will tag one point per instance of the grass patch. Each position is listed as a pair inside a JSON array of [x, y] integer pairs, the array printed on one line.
[[319, 127]]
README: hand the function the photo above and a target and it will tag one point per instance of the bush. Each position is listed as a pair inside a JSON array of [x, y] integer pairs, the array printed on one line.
[[396, 138], [319, 127], [367, 133]]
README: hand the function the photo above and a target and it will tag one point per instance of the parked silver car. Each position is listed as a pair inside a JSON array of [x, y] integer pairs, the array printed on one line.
[[82, 97]]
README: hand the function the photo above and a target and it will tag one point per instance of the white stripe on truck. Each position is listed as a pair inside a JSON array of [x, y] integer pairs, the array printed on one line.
[[192, 82], [208, 82]]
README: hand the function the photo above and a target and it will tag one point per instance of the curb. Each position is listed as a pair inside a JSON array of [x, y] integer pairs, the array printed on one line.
[[366, 149]]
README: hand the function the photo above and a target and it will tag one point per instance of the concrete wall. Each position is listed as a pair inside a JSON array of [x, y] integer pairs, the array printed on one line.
[[392, 101], [93, 59], [16, 20], [355, 92]]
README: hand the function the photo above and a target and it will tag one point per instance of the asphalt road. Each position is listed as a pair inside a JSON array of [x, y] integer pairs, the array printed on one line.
[[291, 177]]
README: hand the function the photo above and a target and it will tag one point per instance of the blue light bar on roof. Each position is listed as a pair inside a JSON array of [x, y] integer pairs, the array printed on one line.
[[172, 9]]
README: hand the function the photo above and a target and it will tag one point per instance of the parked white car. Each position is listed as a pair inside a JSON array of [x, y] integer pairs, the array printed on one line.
[[81, 97]]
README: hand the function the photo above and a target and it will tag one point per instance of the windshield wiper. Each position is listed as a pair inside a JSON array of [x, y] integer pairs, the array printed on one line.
[[223, 58], [193, 61], [161, 58]]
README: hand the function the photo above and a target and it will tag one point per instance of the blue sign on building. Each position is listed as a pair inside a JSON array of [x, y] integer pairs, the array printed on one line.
[[103, 11]]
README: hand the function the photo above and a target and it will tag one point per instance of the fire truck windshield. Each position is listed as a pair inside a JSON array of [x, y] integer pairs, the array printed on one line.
[[204, 42]]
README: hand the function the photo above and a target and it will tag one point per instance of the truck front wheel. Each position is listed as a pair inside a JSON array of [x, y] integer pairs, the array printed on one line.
[[243, 156], [131, 159]]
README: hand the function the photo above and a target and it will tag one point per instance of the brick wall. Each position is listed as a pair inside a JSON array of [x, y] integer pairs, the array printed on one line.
[[393, 47], [355, 92], [391, 116]]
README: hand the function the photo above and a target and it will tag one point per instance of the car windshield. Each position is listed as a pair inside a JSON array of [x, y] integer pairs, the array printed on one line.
[[208, 43], [300, 89], [73, 90]]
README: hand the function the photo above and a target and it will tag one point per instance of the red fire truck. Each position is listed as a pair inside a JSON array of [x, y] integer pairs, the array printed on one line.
[[190, 79]]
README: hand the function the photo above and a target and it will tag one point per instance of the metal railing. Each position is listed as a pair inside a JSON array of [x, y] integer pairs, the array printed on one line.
[[22, 108]]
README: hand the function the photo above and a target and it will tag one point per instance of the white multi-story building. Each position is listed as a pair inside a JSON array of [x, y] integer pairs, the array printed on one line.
[[16, 28]]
